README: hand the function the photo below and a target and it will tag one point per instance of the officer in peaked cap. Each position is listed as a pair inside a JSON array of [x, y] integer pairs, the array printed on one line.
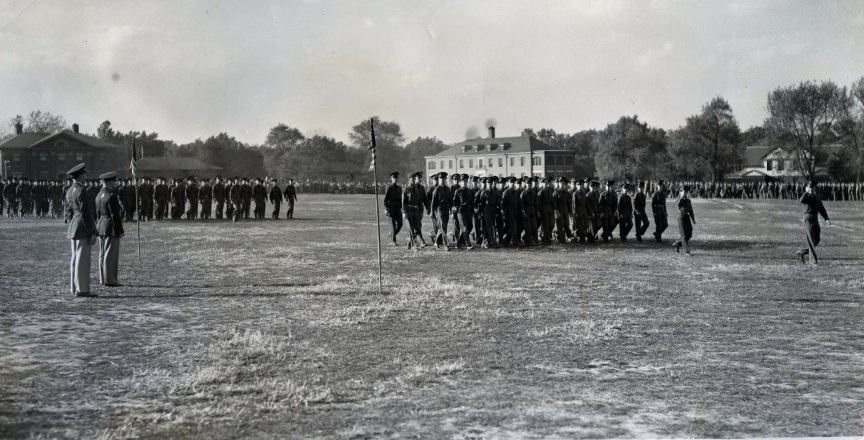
[[393, 206], [658, 206], [109, 226], [81, 231], [639, 216]]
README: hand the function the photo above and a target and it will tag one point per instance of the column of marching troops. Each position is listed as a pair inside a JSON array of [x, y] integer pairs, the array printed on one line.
[[494, 212], [157, 198]]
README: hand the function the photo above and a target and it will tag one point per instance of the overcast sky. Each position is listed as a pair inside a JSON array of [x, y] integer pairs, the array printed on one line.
[[189, 69]]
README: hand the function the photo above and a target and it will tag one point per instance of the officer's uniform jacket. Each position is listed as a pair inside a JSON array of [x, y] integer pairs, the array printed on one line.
[[110, 214], [79, 214]]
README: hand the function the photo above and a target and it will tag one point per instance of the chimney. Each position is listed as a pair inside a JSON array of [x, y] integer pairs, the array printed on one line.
[[19, 128], [491, 132], [75, 128]]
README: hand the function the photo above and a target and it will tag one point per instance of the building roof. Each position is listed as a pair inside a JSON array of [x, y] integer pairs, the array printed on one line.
[[31, 140], [509, 145], [173, 164], [754, 154]]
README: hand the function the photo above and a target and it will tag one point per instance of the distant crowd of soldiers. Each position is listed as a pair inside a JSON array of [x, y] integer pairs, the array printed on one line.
[[158, 198], [494, 212], [833, 191]]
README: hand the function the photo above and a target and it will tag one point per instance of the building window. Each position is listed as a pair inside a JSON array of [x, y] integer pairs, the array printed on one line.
[[512, 161], [490, 162], [522, 162], [500, 161], [780, 164], [569, 160], [479, 147], [788, 164], [465, 148], [536, 160], [441, 165], [479, 163], [79, 157], [505, 146], [470, 163], [768, 165], [43, 157], [450, 164], [461, 163], [493, 147], [431, 164]]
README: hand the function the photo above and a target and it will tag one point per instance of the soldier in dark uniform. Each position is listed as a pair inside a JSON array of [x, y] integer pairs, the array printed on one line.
[[609, 206], [561, 206], [23, 194], [488, 205], [686, 220], [10, 193], [145, 198], [161, 196], [109, 226], [246, 197], [454, 183], [290, 198], [127, 201], [528, 199], [276, 198], [192, 198], [205, 198], [595, 212], [658, 205], [393, 206], [440, 206], [641, 218], [812, 231], [2, 195], [219, 195], [625, 212], [236, 197], [510, 210], [81, 231], [463, 210], [230, 183], [259, 194], [580, 212], [428, 203], [498, 194], [546, 209], [412, 204], [178, 199], [479, 188]]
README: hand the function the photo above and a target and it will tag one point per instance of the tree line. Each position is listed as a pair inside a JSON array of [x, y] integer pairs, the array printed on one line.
[[803, 119]]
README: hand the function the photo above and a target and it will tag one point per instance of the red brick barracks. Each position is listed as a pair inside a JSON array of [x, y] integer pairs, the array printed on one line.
[[49, 156], [503, 157]]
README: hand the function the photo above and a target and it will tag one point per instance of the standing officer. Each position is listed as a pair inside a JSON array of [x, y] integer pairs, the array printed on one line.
[[219, 196], [290, 198], [625, 212], [412, 205], [276, 198], [547, 211], [192, 197], [393, 206], [259, 194], [510, 209], [658, 205], [205, 197], [640, 216], [161, 195], [246, 196], [812, 231], [609, 205], [528, 199], [463, 207], [82, 231], [440, 206], [561, 205], [109, 226]]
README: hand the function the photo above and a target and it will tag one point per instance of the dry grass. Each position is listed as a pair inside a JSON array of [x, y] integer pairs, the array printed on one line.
[[277, 329]]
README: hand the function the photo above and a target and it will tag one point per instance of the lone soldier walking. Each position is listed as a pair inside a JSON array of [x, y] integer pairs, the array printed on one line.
[[276, 198], [109, 226], [658, 205], [259, 194], [82, 231], [290, 198], [812, 231], [393, 206], [686, 220], [640, 216]]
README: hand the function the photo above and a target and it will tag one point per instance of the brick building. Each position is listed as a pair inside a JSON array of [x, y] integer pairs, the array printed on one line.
[[508, 156], [49, 156]]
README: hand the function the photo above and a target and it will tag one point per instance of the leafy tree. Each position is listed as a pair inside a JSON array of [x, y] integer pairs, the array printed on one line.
[[417, 149], [227, 152], [801, 120], [44, 122], [850, 126], [283, 137], [755, 135], [629, 149], [389, 140], [279, 146], [709, 144]]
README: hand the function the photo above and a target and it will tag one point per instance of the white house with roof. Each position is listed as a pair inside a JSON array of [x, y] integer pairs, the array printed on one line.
[[765, 162]]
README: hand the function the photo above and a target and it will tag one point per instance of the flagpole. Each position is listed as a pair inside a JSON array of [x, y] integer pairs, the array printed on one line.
[[377, 207], [137, 208]]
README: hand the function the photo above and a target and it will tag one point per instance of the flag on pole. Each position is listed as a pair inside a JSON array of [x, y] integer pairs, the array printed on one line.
[[134, 159], [373, 144]]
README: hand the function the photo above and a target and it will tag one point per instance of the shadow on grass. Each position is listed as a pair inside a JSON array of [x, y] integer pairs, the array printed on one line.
[[216, 286]]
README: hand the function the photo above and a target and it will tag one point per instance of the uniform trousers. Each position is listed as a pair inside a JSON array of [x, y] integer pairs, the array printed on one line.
[[489, 236], [660, 222], [277, 205], [625, 224], [395, 223], [220, 207], [206, 209], [415, 224], [813, 235], [79, 266], [464, 220], [443, 216], [529, 222], [685, 228], [642, 223], [109, 259], [289, 210]]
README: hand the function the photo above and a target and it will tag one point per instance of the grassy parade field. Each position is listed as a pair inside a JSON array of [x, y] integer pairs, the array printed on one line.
[[277, 330]]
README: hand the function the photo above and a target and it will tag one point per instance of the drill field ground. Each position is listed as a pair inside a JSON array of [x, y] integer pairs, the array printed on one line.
[[276, 329]]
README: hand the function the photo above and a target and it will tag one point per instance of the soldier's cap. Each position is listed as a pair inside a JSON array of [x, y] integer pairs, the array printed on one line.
[[466, 177], [661, 182], [546, 179], [455, 177], [610, 182], [442, 174], [686, 187], [77, 170], [812, 184], [393, 174], [595, 183], [493, 178], [110, 175], [511, 179], [628, 187], [417, 174], [275, 180], [191, 178]]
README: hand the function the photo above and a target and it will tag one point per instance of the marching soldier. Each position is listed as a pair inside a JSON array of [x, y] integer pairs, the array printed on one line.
[[561, 205], [528, 199], [595, 212], [161, 196], [109, 226], [463, 209], [812, 231], [9, 193], [511, 211], [625, 212], [276, 198], [580, 212], [236, 196], [178, 199], [412, 204], [290, 198], [81, 231], [547, 211], [205, 197], [640, 216], [229, 209], [686, 220], [609, 205], [246, 197], [219, 194], [259, 194], [428, 203], [393, 206], [487, 203], [440, 207], [658, 205], [192, 197]]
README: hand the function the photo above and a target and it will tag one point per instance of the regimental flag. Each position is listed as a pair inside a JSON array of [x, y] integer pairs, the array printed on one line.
[[134, 159], [373, 144]]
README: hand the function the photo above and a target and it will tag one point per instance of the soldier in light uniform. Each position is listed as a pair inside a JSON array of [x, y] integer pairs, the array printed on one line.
[[109, 226], [393, 206], [640, 217], [81, 231], [658, 206]]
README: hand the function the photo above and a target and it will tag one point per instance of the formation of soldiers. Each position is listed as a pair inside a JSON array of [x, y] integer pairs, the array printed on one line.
[[504, 212], [157, 198], [833, 191]]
